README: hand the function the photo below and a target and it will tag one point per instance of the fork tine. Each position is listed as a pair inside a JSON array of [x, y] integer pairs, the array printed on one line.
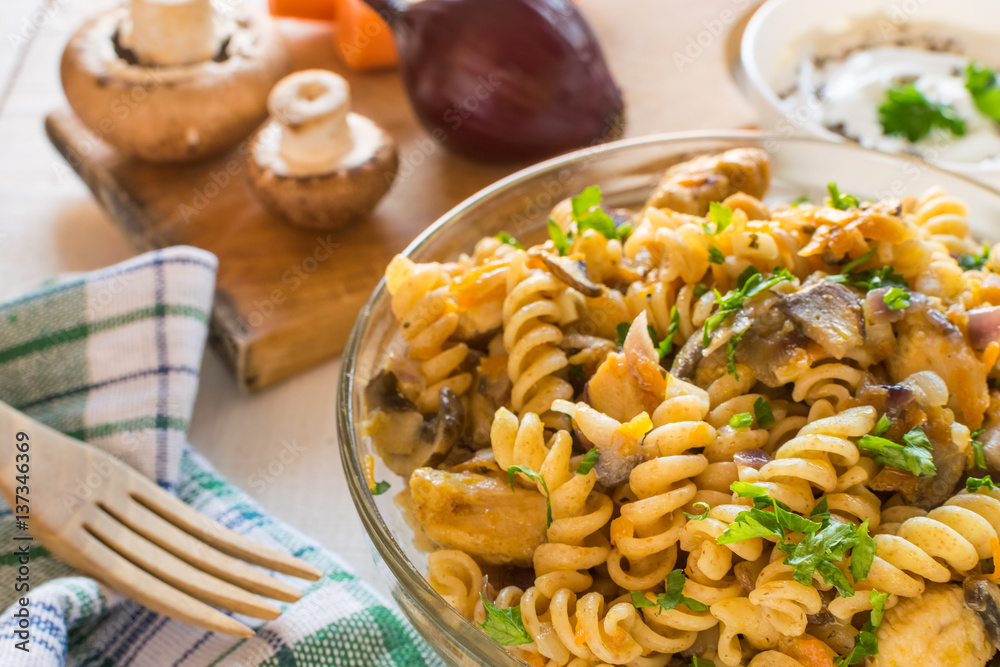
[[191, 520], [172, 570], [160, 531], [95, 558]]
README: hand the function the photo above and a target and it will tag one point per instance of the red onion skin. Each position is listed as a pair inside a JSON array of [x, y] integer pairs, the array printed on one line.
[[984, 326], [505, 80], [877, 310], [754, 458]]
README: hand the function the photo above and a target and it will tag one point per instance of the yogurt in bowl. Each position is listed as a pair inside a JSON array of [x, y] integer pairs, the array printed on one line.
[[914, 77]]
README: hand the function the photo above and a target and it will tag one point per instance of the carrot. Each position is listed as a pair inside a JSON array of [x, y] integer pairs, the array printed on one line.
[[810, 651], [321, 10], [363, 39], [991, 354]]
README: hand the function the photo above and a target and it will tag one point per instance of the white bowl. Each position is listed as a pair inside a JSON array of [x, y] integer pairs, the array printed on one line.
[[779, 33]]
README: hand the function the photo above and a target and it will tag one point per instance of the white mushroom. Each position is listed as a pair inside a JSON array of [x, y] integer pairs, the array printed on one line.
[[165, 32], [173, 80], [314, 162]]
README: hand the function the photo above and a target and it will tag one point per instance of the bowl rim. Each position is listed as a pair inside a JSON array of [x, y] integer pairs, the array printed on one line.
[[748, 44], [389, 550]]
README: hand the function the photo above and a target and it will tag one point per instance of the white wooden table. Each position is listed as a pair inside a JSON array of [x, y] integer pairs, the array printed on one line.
[[281, 445]]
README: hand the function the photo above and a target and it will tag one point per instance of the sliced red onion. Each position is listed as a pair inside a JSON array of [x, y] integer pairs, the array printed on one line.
[[876, 309], [984, 326], [753, 458]]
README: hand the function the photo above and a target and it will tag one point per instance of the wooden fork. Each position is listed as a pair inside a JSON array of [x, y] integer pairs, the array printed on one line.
[[109, 520]]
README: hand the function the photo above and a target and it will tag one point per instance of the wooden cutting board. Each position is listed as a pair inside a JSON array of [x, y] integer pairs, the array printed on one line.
[[286, 299]]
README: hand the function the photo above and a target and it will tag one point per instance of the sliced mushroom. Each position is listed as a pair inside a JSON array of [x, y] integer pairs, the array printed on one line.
[[688, 357], [829, 314], [983, 597], [173, 81], [404, 438], [925, 492], [573, 272], [316, 164]]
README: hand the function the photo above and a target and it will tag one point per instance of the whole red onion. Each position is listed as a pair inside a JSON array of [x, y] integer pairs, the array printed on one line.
[[505, 79]]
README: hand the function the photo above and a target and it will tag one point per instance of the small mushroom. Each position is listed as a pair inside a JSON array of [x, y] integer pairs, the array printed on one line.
[[314, 162], [983, 597], [404, 438], [573, 272], [173, 80]]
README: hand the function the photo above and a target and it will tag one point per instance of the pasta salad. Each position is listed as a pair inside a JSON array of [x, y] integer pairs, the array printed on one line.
[[712, 431]]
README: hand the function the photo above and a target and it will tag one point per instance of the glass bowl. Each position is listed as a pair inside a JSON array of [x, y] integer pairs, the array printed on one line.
[[626, 171]]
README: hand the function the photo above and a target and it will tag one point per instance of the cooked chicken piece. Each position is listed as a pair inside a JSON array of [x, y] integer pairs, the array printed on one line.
[[935, 629], [689, 187], [926, 340], [479, 515], [631, 382]]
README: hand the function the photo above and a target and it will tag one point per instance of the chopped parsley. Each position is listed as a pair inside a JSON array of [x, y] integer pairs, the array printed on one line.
[[699, 290], [715, 255], [896, 298], [906, 112], [982, 83], [673, 596], [913, 455], [974, 262], [588, 215], [750, 284], [741, 420], [916, 437], [882, 425], [559, 237], [666, 346], [973, 484], [379, 488], [622, 332], [588, 462], [839, 201], [698, 517], [826, 541], [504, 237], [504, 626], [701, 662], [855, 263], [868, 279], [762, 411], [865, 642], [513, 470], [720, 216], [978, 456], [801, 199], [731, 346]]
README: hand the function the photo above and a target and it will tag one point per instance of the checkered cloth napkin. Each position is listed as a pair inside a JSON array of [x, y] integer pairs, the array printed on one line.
[[113, 358]]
